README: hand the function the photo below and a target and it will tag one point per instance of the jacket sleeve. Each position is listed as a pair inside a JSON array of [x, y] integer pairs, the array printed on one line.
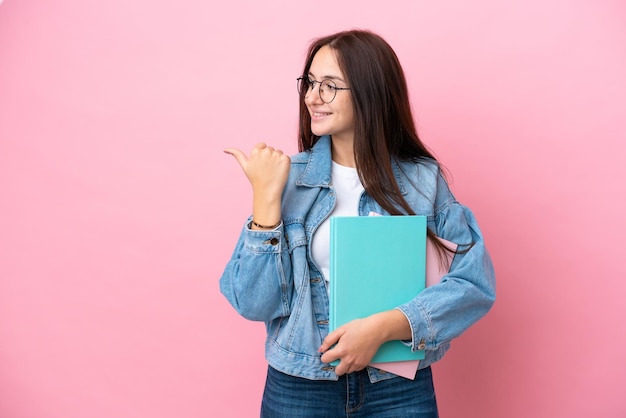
[[257, 281], [445, 310]]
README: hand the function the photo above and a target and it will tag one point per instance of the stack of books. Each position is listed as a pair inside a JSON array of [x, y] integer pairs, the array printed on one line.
[[376, 264]]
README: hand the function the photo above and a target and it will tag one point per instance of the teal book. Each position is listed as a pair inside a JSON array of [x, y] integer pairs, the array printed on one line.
[[376, 264]]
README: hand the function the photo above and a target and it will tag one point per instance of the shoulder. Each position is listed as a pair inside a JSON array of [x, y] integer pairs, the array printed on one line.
[[426, 171], [423, 178]]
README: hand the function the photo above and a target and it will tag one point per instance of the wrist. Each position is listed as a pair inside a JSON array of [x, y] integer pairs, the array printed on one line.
[[262, 226], [393, 325], [270, 199]]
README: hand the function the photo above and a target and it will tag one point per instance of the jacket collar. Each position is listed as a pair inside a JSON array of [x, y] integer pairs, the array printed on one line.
[[318, 169]]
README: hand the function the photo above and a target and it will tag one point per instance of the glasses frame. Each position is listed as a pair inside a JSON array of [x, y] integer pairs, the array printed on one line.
[[330, 83]]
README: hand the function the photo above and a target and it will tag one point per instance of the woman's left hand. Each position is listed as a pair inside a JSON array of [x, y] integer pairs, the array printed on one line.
[[354, 344]]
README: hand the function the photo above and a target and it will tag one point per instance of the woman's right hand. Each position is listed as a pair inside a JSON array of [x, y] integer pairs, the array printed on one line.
[[267, 170]]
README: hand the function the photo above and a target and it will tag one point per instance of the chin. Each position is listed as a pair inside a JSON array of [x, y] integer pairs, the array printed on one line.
[[319, 132]]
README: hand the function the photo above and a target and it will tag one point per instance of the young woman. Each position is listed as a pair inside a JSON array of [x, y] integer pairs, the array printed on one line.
[[360, 153]]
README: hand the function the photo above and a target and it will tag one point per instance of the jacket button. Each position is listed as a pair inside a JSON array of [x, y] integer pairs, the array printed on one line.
[[274, 241], [422, 345]]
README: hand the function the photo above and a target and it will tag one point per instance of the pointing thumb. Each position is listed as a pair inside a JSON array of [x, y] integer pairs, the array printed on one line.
[[239, 155]]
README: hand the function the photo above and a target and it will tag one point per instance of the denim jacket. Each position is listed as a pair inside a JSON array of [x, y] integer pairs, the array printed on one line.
[[271, 276]]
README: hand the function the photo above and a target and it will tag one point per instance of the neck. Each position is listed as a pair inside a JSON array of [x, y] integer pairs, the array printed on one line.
[[343, 153]]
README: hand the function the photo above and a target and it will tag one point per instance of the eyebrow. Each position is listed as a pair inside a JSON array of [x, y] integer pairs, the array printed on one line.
[[327, 77]]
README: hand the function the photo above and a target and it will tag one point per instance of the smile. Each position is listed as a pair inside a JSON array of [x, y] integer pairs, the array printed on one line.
[[319, 114]]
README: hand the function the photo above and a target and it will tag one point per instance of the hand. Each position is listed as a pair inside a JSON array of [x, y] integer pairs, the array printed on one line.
[[267, 169], [355, 345]]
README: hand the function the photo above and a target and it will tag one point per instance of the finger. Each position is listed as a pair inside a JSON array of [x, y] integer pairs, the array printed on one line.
[[330, 356], [341, 369], [258, 148], [239, 155], [345, 366], [330, 340]]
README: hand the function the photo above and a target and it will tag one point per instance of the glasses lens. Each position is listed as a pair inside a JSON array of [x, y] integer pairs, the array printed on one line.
[[328, 89]]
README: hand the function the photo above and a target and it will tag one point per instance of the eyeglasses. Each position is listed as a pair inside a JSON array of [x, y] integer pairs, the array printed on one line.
[[327, 91]]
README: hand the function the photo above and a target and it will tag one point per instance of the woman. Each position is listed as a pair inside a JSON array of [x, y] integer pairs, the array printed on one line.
[[360, 153]]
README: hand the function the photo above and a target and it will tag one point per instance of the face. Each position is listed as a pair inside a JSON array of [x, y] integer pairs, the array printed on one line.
[[335, 118]]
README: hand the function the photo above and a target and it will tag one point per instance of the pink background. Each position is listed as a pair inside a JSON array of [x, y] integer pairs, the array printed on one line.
[[118, 209]]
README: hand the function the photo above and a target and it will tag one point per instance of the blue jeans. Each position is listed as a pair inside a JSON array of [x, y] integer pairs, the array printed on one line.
[[353, 396]]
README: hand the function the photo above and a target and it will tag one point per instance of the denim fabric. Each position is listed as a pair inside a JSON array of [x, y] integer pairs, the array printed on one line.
[[272, 278], [353, 395]]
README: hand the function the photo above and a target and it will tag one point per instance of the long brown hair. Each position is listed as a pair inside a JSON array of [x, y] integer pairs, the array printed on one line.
[[384, 128]]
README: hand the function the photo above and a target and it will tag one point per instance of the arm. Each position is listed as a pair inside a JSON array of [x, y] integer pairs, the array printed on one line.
[[436, 315], [439, 313], [256, 279], [444, 311]]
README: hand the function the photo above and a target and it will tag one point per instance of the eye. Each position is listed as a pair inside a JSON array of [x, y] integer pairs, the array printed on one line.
[[329, 85]]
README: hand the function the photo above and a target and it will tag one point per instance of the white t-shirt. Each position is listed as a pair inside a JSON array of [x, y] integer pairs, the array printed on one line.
[[348, 188]]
